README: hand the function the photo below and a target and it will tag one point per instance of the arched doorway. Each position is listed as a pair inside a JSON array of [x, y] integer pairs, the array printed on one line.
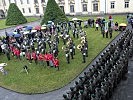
[[2, 14]]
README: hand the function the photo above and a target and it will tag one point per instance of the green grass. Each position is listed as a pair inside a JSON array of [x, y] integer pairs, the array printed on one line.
[[2, 22], [43, 79]]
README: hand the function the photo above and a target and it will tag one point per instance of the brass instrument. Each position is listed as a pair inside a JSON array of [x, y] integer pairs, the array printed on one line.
[[79, 47]]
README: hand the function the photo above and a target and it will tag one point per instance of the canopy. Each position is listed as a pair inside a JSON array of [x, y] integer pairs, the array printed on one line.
[[123, 24]]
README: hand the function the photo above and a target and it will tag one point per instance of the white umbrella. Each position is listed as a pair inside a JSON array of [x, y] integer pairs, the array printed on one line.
[[75, 19], [33, 31], [26, 32]]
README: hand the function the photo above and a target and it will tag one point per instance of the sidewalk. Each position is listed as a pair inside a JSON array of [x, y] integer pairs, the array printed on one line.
[[2, 32], [54, 95]]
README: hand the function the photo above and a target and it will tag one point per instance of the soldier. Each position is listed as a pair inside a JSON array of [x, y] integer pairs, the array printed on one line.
[[71, 51], [83, 53], [67, 55], [110, 32]]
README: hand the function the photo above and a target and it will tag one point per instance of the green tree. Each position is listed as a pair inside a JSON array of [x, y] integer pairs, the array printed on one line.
[[53, 13], [14, 16]]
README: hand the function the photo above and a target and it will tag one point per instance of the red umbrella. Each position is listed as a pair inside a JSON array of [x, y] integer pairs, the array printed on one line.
[[37, 27]]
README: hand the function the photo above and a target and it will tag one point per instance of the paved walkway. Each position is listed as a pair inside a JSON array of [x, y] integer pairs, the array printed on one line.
[[54, 95], [2, 32]]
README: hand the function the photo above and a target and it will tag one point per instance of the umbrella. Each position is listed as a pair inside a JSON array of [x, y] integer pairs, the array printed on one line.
[[49, 22], [15, 32], [17, 35], [75, 19], [26, 32], [43, 27], [10, 34], [33, 31], [79, 20], [29, 28], [37, 27], [123, 24], [19, 27]]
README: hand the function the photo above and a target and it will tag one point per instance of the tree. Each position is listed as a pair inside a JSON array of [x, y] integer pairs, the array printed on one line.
[[53, 13], [14, 16]]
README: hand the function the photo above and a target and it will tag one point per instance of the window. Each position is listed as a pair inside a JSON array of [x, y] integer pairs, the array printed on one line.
[[44, 8], [62, 8], [4, 3], [42, 1], [9, 1], [15, 1], [23, 10], [84, 7], [112, 6], [95, 7], [35, 1], [127, 4], [21, 1], [29, 10], [37, 10], [71, 8], [28, 2]]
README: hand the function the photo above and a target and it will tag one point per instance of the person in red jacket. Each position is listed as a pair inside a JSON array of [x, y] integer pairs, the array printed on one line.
[[46, 58], [28, 56], [40, 58], [50, 58], [56, 62], [34, 56], [18, 53]]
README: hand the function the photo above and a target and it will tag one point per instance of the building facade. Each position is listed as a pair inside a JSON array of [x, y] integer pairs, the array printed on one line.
[[70, 7]]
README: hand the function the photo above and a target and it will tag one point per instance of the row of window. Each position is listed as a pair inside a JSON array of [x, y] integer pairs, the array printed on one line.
[[112, 5], [21, 1], [37, 10], [84, 7]]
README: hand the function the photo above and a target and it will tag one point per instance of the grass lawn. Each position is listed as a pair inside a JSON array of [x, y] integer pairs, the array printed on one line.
[[43, 79], [2, 22]]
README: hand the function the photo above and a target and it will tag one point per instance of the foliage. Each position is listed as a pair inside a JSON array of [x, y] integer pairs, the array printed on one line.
[[14, 16], [53, 13]]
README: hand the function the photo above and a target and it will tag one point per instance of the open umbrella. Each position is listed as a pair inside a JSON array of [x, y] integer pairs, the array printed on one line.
[[17, 35], [33, 31], [19, 27], [44, 25], [10, 34], [49, 22], [38, 27], [25, 32], [29, 28], [43, 28], [75, 19], [123, 24]]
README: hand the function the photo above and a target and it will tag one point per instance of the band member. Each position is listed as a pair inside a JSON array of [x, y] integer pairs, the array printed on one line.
[[28, 56], [46, 58], [67, 55], [56, 62], [83, 53], [71, 51], [34, 56]]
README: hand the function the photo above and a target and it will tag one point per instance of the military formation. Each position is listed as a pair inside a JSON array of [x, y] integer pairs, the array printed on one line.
[[99, 82]]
